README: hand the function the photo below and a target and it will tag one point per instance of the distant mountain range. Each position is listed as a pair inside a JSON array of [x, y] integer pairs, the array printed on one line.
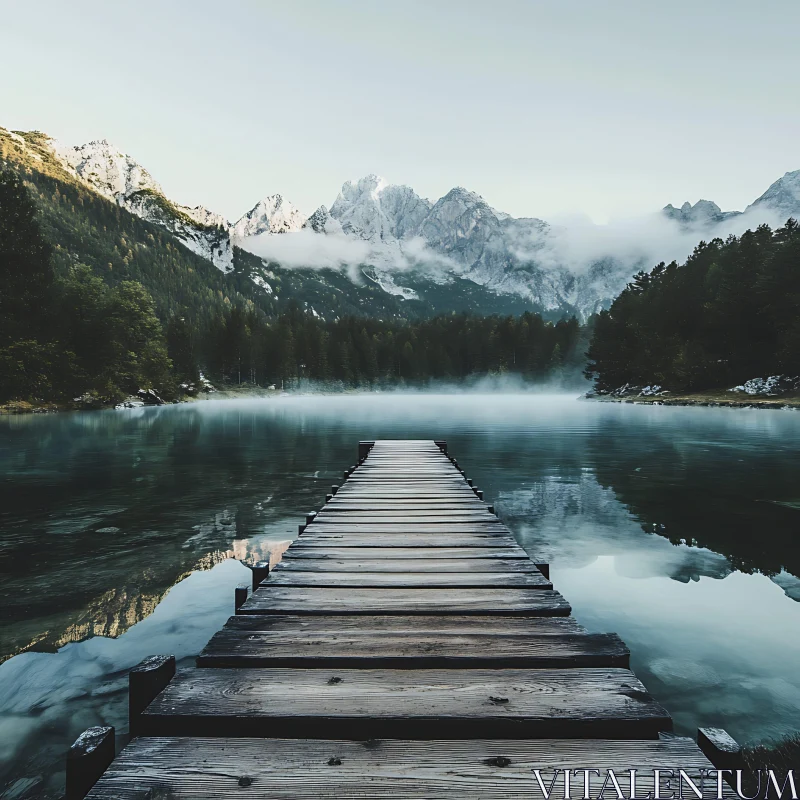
[[452, 254]]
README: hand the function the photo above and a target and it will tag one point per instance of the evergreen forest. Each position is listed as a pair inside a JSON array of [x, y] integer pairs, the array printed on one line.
[[730, 313], [150, 317]]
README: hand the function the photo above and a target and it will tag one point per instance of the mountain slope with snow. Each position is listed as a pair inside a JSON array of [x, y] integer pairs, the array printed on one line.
[[412, 248], [271, 215], [118, 177]]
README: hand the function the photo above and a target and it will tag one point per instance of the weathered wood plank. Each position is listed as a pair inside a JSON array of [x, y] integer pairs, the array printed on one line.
[[495, 602], [385, 495], [414, 565], [440, 625], [370, 649], [402, 518], [291, 769], [413, 704], [399, 538], [431, 531], [323, 552], [409, 580], [412, 507], [421, 528], [477, 513]]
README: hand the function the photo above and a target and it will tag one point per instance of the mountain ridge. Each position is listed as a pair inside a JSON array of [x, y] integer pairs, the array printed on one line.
[[408, 246]]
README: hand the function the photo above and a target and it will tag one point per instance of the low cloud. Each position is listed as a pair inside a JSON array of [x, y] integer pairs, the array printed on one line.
[[571, 244], [310, 250], [576, 243]]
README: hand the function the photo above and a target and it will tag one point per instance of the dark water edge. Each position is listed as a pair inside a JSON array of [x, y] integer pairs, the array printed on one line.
[[120, 531]]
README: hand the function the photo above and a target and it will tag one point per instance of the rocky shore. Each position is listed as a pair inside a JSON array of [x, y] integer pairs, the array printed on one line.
[[775, 391]]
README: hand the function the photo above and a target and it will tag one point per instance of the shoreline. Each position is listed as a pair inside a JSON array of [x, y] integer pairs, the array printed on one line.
[[706, 399], [711, 398]]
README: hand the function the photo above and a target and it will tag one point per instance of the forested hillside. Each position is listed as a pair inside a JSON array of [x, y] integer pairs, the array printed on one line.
[[98, 301], [355, 351], [729, 314]]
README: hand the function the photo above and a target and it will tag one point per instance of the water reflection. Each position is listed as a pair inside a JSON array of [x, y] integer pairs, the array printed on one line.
[[650, 517], [706, 645]]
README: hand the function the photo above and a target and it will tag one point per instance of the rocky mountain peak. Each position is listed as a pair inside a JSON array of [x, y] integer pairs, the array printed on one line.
[[321, 221], [106, 168], [703, 213], [783, 196], [375, 210], [273, 214]]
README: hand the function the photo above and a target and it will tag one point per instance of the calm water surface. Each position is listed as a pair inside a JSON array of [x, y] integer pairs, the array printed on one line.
[[120, 532]]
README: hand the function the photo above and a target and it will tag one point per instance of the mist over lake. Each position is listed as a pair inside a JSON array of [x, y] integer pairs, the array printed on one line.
[[121, 530]]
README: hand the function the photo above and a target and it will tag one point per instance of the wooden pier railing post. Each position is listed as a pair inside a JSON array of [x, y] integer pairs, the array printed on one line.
[[363, 449], [88, 758], [239, 598], [720, 748], [260, 572], [145, 681], [543, 567]]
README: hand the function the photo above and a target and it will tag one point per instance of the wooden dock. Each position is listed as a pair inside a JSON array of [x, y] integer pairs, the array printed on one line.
[[405, 646]]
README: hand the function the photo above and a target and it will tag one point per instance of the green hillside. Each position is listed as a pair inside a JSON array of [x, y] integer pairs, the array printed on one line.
[[121, 305]]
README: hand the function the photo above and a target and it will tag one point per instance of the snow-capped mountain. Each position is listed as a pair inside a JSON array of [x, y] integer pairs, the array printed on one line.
[[414, 248], [118, 177], [376, 211], [461, 238], [271, 215], [783, 197], [321, 221], [703, 213]]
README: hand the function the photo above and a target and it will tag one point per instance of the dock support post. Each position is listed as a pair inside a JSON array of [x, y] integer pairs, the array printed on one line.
[[145, 681], [720, 748], [239, 598], [363, 449], [310, 517], [479, 493], [442, 445], [260, 572], [334, 488], [88, 759], [543, 567]]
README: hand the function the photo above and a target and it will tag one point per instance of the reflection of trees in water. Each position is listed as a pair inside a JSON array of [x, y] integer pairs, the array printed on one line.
[[102, 513], [118, 609], [678, 489], [711, 504]]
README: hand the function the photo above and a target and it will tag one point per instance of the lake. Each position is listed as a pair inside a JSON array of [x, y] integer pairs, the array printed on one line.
[[121, 534]]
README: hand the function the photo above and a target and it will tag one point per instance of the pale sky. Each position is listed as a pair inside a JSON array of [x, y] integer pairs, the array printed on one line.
[[545, 107]]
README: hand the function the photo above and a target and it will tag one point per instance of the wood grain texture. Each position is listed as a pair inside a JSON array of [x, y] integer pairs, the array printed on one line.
[[497, 602], [420, 528], [370, 649], [400, 538], [413, 565], [443, 626], [409, 580], [414, 704], [435, 551], [416, 507], [401, 517], [291, 769]]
